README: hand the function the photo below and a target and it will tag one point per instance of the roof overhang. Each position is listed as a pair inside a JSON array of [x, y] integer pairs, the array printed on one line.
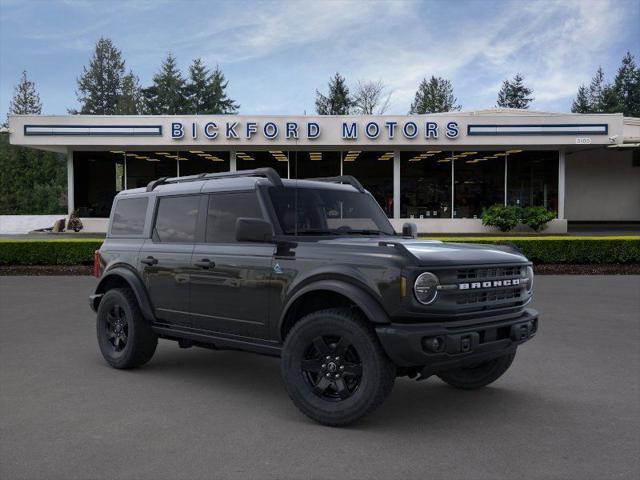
[[243, 132]]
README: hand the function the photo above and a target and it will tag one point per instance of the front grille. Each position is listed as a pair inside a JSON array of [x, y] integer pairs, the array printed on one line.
[[487, 273], [483, 292], [489, 296]]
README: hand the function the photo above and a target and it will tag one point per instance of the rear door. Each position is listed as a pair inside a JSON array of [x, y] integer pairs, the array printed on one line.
[[231, 283], [166, 257]]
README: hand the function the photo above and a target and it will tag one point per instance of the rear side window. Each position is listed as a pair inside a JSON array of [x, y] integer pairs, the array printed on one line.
[[129, 215], [224, 210], [176, 219]]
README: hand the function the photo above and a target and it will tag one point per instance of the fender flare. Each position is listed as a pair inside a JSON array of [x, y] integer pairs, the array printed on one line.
[[137, 287], [362, 299]]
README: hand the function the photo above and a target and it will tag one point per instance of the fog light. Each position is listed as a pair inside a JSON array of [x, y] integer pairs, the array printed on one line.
[[433, 344]]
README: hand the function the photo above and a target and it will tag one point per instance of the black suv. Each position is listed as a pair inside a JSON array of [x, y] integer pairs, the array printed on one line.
[[312, 271]]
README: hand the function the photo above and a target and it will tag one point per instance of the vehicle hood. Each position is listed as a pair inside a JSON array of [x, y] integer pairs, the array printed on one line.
[[435, 252]]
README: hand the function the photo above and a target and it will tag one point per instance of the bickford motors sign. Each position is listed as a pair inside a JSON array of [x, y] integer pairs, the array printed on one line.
[[293, 130], [233, 131]]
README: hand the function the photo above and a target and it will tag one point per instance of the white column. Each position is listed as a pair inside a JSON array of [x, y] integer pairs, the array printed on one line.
[[453, 185], [71, 204], [506, 169], [232, 161], [396, 184], [561, 176]]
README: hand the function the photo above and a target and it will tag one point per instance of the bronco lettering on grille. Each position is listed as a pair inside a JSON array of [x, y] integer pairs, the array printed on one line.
[[489, 284]]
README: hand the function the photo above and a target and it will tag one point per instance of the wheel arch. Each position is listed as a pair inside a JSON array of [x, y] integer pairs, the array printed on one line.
[[122, 277], [331, 291]]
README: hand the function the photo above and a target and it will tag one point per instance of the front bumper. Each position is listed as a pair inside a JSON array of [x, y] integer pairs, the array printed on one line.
[[443, 346]]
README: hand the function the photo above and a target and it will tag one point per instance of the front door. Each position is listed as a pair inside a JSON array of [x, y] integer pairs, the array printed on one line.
[[165, 260], [231, 281]]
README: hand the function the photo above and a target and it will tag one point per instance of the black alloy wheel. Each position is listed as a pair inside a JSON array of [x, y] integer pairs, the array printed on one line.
[[117, 327], [332, 367], [125, 337]]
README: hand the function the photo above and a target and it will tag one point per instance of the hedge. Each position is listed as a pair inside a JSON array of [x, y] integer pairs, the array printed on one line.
[[48, 252], [566, 249], [548, 249]]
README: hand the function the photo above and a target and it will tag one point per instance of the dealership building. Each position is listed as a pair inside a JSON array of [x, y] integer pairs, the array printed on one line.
[[439, 170]]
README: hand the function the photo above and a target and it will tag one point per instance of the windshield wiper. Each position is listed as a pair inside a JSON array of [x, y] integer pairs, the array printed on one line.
[[313, 232], [364, 232]]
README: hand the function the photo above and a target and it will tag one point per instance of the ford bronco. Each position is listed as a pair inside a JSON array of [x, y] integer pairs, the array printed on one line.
[[311, 271]]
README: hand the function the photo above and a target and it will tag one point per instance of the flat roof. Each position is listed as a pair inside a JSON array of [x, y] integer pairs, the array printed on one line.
[[492, 127]]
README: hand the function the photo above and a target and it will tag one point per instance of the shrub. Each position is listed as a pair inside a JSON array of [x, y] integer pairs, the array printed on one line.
[[569, 250], [505, 218], [536, 217], [551, 249], [48, 252]]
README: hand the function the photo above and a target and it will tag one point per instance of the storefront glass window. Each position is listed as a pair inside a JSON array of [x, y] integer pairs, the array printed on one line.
[[314, 164], [532, 178], [276, 159], [425, 185], [193, 162], [143, 167], [375, 171], [478, 182], [98, 177]]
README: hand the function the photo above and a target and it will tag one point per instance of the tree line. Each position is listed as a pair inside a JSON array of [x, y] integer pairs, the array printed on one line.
[[33, 181], [106, 88], [435, 95]]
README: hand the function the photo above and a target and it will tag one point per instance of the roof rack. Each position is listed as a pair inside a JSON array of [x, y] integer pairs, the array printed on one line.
[[351, 180], [266, 172]]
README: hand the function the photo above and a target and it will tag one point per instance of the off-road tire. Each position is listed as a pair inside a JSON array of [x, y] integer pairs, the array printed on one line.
[[377, 372], [141, 341], [479, 375]]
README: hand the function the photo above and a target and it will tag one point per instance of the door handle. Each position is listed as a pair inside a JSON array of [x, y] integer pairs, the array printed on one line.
[[205, 263], [149, 261]]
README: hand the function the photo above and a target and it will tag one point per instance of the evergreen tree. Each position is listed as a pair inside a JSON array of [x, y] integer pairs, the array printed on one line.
[[610, 101], [434, 95], [196, 89], [627, 86], [167, 95], [596, 91], [514, 94], [218, 100], [206, 92], [25, 99], [581, 104], [338, 101], [130, 101], [31, 181], [100, 85]]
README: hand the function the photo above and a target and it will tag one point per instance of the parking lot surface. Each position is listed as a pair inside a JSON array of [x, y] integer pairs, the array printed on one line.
[[569, 407]]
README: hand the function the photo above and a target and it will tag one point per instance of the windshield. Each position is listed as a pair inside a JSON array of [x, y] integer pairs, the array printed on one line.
[[316, 211]]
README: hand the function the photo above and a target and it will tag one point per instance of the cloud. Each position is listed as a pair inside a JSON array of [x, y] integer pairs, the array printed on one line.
[[277, 53]]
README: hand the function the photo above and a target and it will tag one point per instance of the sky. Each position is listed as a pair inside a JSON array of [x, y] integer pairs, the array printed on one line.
[[275, 54]]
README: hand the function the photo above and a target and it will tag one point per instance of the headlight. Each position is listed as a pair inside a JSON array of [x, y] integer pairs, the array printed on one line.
[[426, 288], [529, 279]]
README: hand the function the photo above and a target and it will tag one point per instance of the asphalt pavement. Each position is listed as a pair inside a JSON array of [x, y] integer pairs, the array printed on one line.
[[569, 407]]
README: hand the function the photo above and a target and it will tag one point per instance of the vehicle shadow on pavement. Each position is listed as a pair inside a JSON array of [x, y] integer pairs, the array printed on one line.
[[431, 402]]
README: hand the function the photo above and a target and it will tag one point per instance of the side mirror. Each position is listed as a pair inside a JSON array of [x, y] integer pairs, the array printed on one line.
[[253, 230], [410, 230]]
